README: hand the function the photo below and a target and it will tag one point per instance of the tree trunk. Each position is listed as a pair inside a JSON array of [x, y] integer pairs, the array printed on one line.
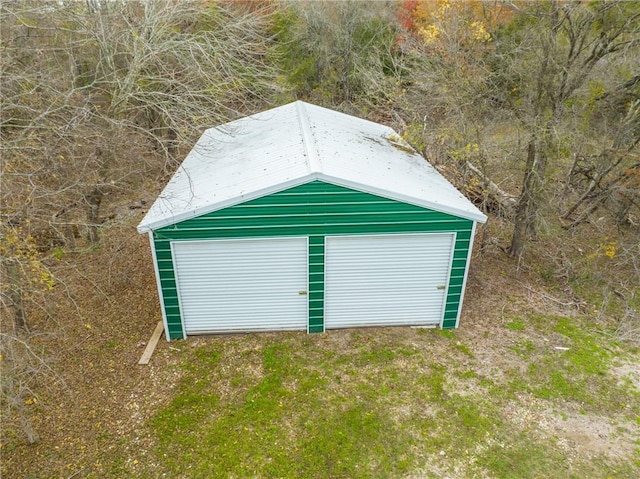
[[172, 144], [489, 194], [15, 295], [25, 422], [93, 200], [529, 201]]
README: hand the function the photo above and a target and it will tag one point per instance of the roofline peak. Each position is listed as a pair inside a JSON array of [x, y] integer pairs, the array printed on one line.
[[308, 142]]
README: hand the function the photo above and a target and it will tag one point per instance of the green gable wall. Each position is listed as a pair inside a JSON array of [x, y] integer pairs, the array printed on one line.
[[315, 209]]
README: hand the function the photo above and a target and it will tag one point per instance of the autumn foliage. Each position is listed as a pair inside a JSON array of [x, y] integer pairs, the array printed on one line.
[[437, 23]]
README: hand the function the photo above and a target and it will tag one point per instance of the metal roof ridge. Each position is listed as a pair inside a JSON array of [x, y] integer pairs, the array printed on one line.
[[308, 141]]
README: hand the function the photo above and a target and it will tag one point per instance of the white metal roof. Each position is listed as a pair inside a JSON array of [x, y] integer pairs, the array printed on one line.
[[292, 145]]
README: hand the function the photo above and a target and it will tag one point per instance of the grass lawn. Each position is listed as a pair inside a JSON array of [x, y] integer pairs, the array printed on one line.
[[396, 402]]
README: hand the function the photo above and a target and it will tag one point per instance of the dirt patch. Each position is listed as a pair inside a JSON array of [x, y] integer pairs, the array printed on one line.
[[628, 372], [595, 435], [578, 434]]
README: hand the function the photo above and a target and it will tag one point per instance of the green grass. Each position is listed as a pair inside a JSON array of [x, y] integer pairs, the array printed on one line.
[[525, 457], [577, 374], [275, 430], [447, 333], [374, 405], [516, 325]]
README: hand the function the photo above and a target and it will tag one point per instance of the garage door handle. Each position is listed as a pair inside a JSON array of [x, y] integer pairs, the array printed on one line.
[[442, 286], [302, 292]]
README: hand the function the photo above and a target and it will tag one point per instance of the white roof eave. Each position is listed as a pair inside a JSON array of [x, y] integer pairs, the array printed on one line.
[[186, 215], [433, 205]]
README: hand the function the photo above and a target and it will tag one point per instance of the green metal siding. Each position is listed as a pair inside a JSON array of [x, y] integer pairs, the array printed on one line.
[[315, 209], [316, 284]]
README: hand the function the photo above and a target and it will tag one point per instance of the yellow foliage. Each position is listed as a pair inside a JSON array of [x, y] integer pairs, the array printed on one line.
[[465, 22], [609, 250], [414, 136], [466, 152], [21, 248], [429, 33], [478, 31]]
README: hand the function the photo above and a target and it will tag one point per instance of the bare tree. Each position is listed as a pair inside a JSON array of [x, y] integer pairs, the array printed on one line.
[[341, 52], [96, 98], [566, 43]]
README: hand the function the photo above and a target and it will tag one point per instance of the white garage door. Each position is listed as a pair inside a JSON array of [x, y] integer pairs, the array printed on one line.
[[388, 280], [242, 285]]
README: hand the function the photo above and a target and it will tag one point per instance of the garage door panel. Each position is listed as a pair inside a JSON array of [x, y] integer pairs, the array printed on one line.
[[242, 285], [386, 280]]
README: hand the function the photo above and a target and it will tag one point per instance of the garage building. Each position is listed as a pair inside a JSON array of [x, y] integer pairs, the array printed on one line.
[[304, 218]]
